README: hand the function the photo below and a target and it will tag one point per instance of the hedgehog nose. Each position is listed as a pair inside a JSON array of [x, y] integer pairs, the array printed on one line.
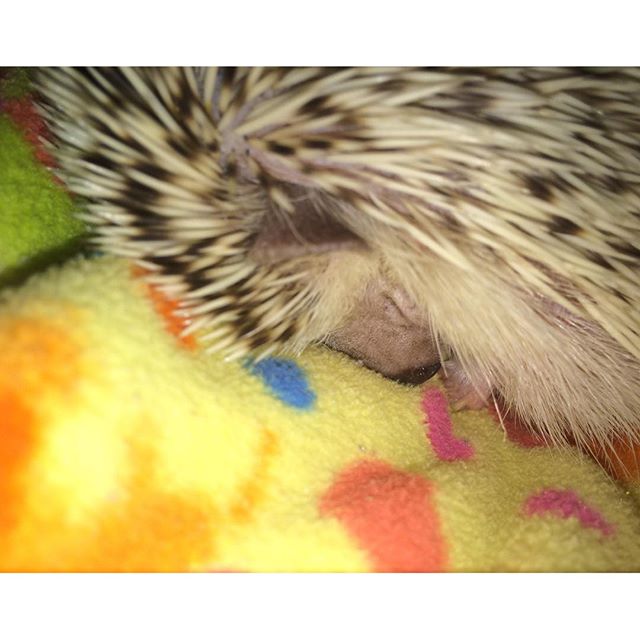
[[419, 374]]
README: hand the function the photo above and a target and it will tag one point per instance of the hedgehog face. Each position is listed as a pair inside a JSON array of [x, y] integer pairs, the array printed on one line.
[[384, 329]]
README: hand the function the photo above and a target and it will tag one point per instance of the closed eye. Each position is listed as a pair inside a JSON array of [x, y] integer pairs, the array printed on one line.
[[394, 312]]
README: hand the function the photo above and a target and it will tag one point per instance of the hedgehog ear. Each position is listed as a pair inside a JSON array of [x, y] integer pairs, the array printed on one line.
[[307, 231]]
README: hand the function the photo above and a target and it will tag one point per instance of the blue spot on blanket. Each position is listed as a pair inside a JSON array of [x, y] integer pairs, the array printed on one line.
[[286, 380]]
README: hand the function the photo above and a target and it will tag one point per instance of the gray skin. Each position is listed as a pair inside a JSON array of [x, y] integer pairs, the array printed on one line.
[[385, 333]]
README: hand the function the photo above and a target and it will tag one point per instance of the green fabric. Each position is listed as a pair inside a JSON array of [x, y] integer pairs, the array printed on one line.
[[15, 83], [37, 225]]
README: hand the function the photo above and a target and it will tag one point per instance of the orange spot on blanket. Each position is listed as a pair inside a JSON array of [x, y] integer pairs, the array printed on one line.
[[38, 356], [152, 526], [38, 360], [621, 459], [17, 440], [391, 514], [251, 490], [166, 308]]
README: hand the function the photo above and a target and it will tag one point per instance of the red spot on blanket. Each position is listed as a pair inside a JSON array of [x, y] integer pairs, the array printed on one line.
[[565, 504], [391, 514], [620, 459], [440, 429], [25, 116], [516, 430], [166, 308]]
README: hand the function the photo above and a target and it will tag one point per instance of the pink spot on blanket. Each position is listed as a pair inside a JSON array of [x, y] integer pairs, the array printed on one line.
[[391, 514], [440, 429], [567, 504]]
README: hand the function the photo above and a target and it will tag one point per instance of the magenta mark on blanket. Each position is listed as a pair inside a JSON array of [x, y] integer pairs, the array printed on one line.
[[564, 503], [440, 428]]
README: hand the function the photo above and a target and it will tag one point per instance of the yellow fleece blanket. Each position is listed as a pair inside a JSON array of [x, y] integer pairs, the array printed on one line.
[[124, 447]]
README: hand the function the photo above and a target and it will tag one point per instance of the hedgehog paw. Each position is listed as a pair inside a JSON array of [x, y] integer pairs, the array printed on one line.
[[463, 390]]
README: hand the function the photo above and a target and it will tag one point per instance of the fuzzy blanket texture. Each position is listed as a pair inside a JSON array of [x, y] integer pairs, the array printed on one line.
[[125, 447]]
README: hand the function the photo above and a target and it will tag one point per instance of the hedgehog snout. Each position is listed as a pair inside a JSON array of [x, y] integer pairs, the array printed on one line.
[[386, 333]]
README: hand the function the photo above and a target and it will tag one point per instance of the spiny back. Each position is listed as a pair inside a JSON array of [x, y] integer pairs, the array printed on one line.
[[532, 175]]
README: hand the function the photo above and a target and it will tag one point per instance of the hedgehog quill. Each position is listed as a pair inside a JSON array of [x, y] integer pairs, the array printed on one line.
[[488, 218]]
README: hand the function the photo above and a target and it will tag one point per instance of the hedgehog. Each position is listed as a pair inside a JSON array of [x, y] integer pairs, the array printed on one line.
[[483, 220]]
